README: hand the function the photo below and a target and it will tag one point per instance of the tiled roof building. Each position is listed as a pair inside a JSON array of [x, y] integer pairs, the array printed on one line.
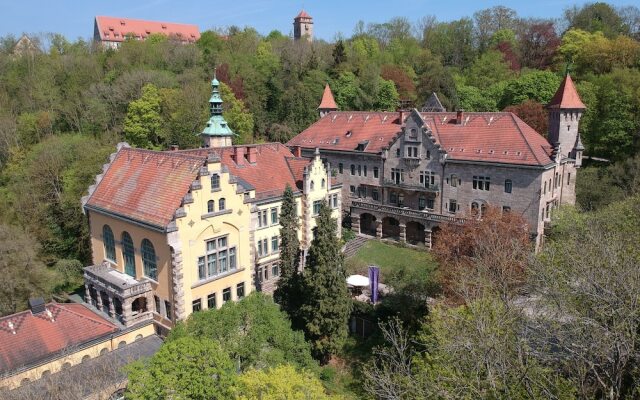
[[112, 31], [405, 172]]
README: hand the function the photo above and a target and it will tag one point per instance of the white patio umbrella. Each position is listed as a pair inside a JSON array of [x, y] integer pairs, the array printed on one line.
[[358, 280]]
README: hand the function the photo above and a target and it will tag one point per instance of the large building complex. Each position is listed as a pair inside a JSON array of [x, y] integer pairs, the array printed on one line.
[[174, 232], [406, 172], [112, 31]]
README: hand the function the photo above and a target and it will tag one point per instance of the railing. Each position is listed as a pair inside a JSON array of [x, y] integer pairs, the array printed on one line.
[[405, 212], [99, 275], [432, 188]]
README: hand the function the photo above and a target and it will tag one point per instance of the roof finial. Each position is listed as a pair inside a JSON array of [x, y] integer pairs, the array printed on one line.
[[214, 72], [567, 69]]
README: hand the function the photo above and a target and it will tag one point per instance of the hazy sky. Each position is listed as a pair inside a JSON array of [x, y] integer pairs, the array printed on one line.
[[74, 18]]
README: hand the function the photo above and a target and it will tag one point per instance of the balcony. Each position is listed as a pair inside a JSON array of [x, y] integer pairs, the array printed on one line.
[[412, 186], [118, 295], [409, 213]]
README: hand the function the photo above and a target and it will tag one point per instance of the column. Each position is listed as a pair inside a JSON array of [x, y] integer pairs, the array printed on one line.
[[126, 312], [355, 224], [378, 229], [112, 308], [99, 300], [427, 238], [403, 233], [87, 294]]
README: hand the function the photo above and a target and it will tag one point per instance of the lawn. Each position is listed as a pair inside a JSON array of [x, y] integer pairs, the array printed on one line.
[[397, 263]]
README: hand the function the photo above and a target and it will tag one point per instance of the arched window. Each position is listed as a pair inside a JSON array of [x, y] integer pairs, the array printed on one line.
[[211, 206], [222, 204], [149, 260], [215, 181], [353, 169], [483, 209], [474, 208], [128, 254], [508, 186], [324, 183], [312, 185], [109, 243], [454, 181]]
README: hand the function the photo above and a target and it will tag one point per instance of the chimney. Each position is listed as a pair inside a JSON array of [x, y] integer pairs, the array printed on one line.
[[459, 116], [252, 154], [238, 154], [401, 116], [297, 151], [36, 305]]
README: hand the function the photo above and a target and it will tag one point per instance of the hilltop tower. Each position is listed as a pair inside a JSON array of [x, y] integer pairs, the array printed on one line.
[[303, 26], [565, 111], [217, 132], [327, 104]]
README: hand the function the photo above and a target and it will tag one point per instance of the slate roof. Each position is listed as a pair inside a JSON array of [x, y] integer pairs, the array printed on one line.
[[483, 137], [146, 186], [327, 99], [567, 96], [116, 29], [37, 337], [275, 167], [433, 104]]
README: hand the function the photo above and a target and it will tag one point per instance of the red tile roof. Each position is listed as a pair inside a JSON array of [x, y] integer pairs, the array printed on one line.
[[115, 29], [37, 337], [275, 167], [327, 99], [566, 96], [146, 186], [303, 14], [486, 137]]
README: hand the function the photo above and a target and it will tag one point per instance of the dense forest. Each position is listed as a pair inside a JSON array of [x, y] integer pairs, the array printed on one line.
[[64, 104]]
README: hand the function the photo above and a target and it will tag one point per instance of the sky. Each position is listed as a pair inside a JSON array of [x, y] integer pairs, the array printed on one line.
[[75, 18]]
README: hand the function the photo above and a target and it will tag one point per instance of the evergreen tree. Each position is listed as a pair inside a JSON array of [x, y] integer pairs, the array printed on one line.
[[288, 293], [326, 305]]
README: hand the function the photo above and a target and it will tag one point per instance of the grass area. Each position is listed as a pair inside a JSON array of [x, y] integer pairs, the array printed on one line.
[[396, 262]]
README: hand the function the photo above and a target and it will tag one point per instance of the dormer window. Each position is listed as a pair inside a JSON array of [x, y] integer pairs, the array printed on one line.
[[413, 133]]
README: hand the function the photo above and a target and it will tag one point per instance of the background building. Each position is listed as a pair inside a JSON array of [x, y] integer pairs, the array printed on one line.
[[303, 26], [112, 31], [406, 172]]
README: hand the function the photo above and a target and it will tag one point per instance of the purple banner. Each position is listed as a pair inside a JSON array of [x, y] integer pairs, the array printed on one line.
[[374, 273]]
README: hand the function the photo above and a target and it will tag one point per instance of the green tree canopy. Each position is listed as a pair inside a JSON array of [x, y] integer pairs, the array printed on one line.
[[282, 382], [143, 121]]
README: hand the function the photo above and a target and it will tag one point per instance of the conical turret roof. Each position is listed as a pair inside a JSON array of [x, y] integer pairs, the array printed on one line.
[[566, 96], [327, 99]]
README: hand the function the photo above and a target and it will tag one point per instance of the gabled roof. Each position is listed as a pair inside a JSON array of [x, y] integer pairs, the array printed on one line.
[[433, 104], [274, 169], [37, 337], [566, 96], [327, 99], [303, 14], [146, 186], [116, 29], [483, 137]]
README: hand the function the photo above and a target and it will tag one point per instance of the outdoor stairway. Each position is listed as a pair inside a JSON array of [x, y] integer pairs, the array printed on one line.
[[352, 246]]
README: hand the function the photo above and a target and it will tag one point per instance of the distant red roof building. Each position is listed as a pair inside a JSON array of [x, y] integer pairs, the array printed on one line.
[[489, 137], [303, 14], [27, 338], [112, 31], [566, 96]]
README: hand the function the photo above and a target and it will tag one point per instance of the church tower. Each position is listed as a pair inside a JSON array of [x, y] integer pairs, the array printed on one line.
[[303, 26], [327, 104], [565, 110], [217, 132]]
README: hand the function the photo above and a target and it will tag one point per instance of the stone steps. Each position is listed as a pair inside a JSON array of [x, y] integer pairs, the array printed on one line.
[[352, 247]]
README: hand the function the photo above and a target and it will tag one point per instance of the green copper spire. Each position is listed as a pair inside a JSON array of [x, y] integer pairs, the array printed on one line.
[[217, 126]]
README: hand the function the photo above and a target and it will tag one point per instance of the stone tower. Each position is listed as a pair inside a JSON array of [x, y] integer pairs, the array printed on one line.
[[217, 132], [565, 110], [327, 104], [303, 26]]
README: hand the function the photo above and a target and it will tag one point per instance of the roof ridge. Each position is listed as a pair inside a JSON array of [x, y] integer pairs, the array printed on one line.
[[526, 140], [174, 153], [82, 315]]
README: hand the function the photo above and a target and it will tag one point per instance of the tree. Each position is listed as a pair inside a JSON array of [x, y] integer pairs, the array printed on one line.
[[23, 274], [488, 69], [143, 122], [538, 86], [289, 291], [326, 304], [594, 17], [586, 283], [387, 96], [253, 332], [453, 41], [539, 44], [491, 20], [240, 120], [487, 254], [282, 382], [186, 368], [534, 114]]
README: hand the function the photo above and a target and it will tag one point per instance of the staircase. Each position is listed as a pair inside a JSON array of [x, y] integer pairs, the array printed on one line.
[[352, 246]]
